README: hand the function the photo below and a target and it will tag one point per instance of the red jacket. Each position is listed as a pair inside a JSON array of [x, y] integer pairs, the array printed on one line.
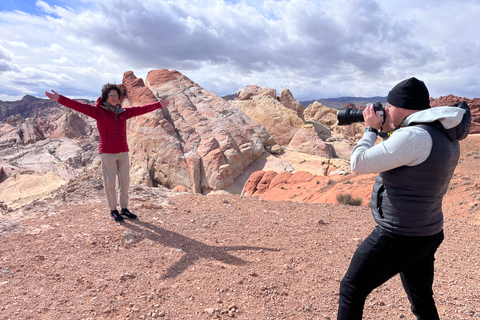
[[112, 130]]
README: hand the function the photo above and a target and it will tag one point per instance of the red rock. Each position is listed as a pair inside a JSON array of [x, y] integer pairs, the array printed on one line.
[[157, 78], [474, 105], [251, 185], [264, 183], [137, 93], [281, 178], [180, 188], [300, 176]]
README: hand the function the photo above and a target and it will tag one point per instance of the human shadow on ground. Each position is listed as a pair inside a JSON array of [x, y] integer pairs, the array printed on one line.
[[193, 249]]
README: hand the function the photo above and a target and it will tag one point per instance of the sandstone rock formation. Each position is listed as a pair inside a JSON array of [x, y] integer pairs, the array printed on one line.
[[311, 131], [305, 187], [22, 133], [280, 117], [318, 112], [70, 125], [307, 140], [42, 145], [200, 141], [289, 102], [341, 138]]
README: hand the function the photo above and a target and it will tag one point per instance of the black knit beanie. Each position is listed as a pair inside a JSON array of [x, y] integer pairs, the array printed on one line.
[[410, 94]]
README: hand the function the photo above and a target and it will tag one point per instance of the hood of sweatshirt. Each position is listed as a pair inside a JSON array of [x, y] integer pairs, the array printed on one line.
[[455, 120]]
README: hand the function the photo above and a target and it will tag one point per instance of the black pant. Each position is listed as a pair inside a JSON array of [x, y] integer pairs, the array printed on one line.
[[380, 257]]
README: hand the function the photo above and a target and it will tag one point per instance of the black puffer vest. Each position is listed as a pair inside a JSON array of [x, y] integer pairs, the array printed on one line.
[[408, 200]]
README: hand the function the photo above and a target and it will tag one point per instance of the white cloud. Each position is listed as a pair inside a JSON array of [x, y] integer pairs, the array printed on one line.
[[62, 60], [315, 48]]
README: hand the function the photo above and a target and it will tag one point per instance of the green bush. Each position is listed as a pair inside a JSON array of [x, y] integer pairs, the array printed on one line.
[[348, 200]]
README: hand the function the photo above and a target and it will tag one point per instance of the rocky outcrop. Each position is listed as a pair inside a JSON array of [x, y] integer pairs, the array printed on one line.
[[341, 138], [289, 102], [319, 113], [199, 141], [307, 140], [47, 143], [280, 119], [311, 131], [23, 132], [474, 105], [306, 187], [136, 92], [252, 182], [66, 157], [69, 125]]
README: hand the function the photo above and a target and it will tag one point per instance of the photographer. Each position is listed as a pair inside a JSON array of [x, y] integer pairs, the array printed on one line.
[[113, 148], [415, 165]]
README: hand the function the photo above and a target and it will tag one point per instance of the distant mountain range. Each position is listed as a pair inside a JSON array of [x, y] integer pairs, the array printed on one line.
[[334, 103], [337, 103]]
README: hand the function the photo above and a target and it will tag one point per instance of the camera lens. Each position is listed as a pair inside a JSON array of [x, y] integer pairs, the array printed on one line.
[[348, 116]]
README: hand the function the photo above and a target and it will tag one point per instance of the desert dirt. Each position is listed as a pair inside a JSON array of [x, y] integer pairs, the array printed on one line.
[[190, 256]]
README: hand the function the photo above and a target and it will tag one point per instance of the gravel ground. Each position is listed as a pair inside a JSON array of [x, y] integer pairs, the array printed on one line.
[[206, 257]]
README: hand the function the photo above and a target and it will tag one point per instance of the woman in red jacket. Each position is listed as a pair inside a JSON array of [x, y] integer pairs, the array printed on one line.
[[113, 148]]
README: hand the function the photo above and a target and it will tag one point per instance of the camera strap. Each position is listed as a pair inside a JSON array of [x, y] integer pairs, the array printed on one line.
[[385, 135]]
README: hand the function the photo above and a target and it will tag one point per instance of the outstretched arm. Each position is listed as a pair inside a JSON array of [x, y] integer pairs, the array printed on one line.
[[139, 110], [72, 104], [52, 96]]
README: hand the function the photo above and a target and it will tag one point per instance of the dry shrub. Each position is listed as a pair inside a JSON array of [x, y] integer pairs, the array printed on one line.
[[348, 200]]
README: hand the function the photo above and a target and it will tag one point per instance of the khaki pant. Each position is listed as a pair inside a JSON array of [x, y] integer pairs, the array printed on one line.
[[113, 165]]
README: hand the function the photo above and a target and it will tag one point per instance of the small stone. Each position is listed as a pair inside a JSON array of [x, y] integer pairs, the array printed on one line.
[[39, 257], [130, 237], [126, 276], [211, 310]]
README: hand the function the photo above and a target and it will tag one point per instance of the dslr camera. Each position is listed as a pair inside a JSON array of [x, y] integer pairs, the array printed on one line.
[[347, 116]]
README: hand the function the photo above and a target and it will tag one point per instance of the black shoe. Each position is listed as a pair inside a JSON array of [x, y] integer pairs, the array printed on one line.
[[128, 214], [114, 215]]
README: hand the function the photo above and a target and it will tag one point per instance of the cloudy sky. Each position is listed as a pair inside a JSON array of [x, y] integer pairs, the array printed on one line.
[[315, 48]]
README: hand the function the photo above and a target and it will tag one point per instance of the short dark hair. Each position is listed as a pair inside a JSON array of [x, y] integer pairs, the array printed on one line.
[[107, 87]]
